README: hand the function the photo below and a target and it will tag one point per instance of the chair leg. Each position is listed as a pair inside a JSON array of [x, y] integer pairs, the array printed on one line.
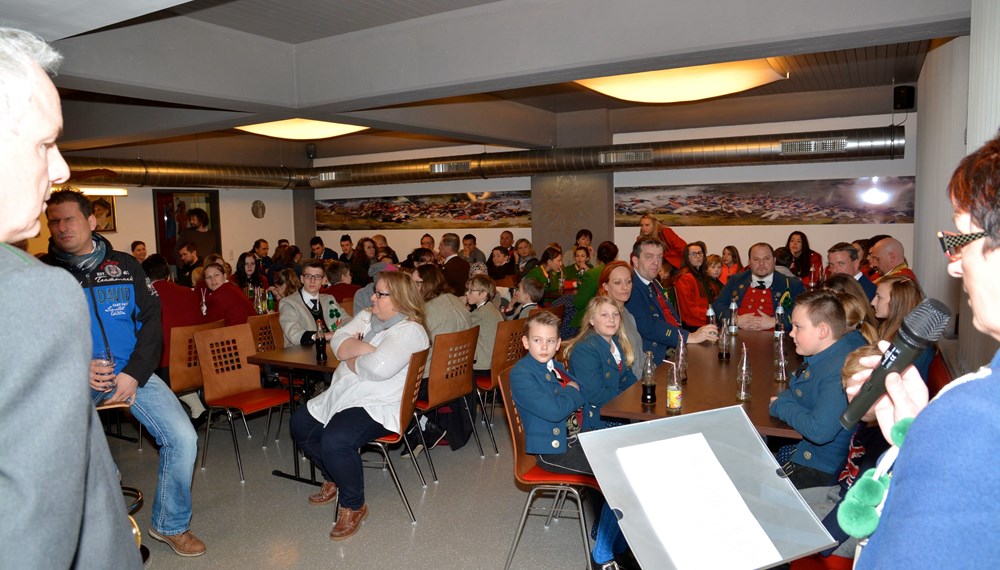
[[520, 528], [556, 506], [246, 425], [489, 428], [281, 418], [236, 444], [208, 435], [395, 479], [427, 451], [413, 458], [475, 431], [583, 523], [268, 430]]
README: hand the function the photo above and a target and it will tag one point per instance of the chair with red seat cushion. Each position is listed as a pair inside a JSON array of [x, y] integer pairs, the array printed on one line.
[[450, 378], [418, 362], [527, 472], [231, 383], [507, 349]]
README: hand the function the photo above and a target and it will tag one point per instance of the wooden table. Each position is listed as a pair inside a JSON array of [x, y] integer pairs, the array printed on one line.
[[712, 384], [295, 358]]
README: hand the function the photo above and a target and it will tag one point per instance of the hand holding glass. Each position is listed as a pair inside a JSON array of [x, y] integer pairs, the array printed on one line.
[[102, 367]]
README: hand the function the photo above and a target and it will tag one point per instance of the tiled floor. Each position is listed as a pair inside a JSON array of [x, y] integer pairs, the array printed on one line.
[[467, 520]]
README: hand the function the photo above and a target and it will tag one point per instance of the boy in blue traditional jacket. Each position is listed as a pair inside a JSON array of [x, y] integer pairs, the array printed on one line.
[[815, 398]]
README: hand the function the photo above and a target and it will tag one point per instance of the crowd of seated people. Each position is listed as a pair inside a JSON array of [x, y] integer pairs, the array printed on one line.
[[618, 312]]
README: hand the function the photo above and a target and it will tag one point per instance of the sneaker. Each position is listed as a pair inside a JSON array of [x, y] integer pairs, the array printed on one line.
[[414, 440], [433, 434], [184, 544]]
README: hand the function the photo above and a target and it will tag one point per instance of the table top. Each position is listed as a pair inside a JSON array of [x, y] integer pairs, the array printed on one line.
[[296, 357], [712, 384]]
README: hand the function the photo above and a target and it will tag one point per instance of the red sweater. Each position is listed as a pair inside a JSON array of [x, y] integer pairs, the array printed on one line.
[[179, 307]]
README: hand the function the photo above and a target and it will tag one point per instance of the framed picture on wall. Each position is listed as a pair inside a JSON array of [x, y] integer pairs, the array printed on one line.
[[103, 208], [173, 213]]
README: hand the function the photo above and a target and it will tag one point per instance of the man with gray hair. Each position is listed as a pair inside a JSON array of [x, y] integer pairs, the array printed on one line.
[[844, 258], [59, 493], [887, 256]]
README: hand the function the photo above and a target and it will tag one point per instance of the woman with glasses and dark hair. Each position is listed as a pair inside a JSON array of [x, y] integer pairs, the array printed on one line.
[[364, 397], [306, 313]]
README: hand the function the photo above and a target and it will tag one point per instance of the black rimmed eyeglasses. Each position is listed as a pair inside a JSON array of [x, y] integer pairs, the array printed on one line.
[[952, 242], [381, 294]]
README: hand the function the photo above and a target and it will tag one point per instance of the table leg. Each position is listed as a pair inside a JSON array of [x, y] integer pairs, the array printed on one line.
[[296, 475]]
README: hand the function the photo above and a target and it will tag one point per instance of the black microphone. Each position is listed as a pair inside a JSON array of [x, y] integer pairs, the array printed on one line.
[[920, 328]]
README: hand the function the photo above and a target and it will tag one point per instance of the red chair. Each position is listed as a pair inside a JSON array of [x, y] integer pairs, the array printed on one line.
[[231, 383], [418, 362], [528, 473]]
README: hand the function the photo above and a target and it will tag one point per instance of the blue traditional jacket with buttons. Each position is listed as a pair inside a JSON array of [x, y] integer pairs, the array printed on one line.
[[813, 403], [784, 290], [544, 405], [595, 370]]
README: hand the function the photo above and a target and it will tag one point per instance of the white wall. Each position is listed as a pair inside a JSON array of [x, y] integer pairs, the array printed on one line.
[[239, 227]]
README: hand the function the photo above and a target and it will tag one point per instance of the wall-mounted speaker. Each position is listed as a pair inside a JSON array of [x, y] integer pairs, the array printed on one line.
[[311, 150], [903, 97]]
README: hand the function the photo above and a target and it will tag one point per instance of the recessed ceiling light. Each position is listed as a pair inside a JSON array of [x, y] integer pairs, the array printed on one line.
[[301, 129]]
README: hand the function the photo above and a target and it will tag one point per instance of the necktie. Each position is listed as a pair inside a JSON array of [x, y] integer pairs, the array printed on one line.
[[315, 305], [760, 284], [668, 315]]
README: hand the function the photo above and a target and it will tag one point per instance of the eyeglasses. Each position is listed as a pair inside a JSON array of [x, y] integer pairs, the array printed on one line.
[[380, 294], [696, 253], [952, 243], [310, 277]]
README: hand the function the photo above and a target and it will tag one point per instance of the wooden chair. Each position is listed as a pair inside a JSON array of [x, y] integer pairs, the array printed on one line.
[[508, 281], [558, 310], [347, 305], [418, 363], [938, 375], [507, 349], [266, 331], [231, 383], [185, 370], [528, 473], [450, 378]]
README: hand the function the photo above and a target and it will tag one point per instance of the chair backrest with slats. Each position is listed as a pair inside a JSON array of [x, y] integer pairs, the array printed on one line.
[[451, 374], [185, 371], [508, 347], [523, 461], [262, 327], [223, 353], [418, 362], [558, 310]]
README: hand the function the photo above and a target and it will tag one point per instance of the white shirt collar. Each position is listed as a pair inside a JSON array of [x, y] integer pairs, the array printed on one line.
[[767, 280]]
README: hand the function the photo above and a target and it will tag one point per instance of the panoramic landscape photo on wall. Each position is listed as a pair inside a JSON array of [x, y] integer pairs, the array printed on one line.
[[438, 211], [868, 200]]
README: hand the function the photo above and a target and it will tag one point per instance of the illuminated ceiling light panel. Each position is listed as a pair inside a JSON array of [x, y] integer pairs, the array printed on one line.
[[301, 129], [687, 83], [103, 191]]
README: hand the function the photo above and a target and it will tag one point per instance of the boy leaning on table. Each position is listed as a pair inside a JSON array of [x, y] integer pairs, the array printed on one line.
[[550, 405], [815, 398]]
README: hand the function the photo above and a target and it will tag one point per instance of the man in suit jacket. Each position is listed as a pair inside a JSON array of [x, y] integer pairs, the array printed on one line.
[[656, 319], [299, 311], [767, 290], [844, 258], [59, 494], [456, 269]]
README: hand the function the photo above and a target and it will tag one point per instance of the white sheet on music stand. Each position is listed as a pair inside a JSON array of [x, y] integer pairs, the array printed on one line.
[[693, 506]]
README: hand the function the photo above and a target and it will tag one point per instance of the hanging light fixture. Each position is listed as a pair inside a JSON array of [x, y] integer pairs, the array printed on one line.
[[688, 83], [301, 129]]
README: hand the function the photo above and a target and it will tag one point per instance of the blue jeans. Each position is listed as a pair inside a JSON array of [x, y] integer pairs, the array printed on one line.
[[161, 413]]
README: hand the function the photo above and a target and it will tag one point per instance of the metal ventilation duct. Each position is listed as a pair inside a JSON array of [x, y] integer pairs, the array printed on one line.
[[823, 146]]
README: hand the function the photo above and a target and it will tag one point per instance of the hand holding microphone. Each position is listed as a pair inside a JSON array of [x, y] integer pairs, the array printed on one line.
[[920, 328]]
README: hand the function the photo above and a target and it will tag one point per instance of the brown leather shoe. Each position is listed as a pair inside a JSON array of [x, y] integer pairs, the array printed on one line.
[[327, 493], [184, 544], [348, 522]]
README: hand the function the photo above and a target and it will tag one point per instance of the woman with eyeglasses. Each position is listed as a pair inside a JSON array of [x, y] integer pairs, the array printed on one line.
[[694, 289], [364, 397], [306, 313]]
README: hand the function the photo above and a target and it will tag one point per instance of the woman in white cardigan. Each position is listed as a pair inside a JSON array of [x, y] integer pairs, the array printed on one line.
[[364, 397]]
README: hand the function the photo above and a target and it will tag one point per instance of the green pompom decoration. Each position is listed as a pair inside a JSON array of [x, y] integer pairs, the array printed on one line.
[[856, 519], [899, 431], [868, 491]]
